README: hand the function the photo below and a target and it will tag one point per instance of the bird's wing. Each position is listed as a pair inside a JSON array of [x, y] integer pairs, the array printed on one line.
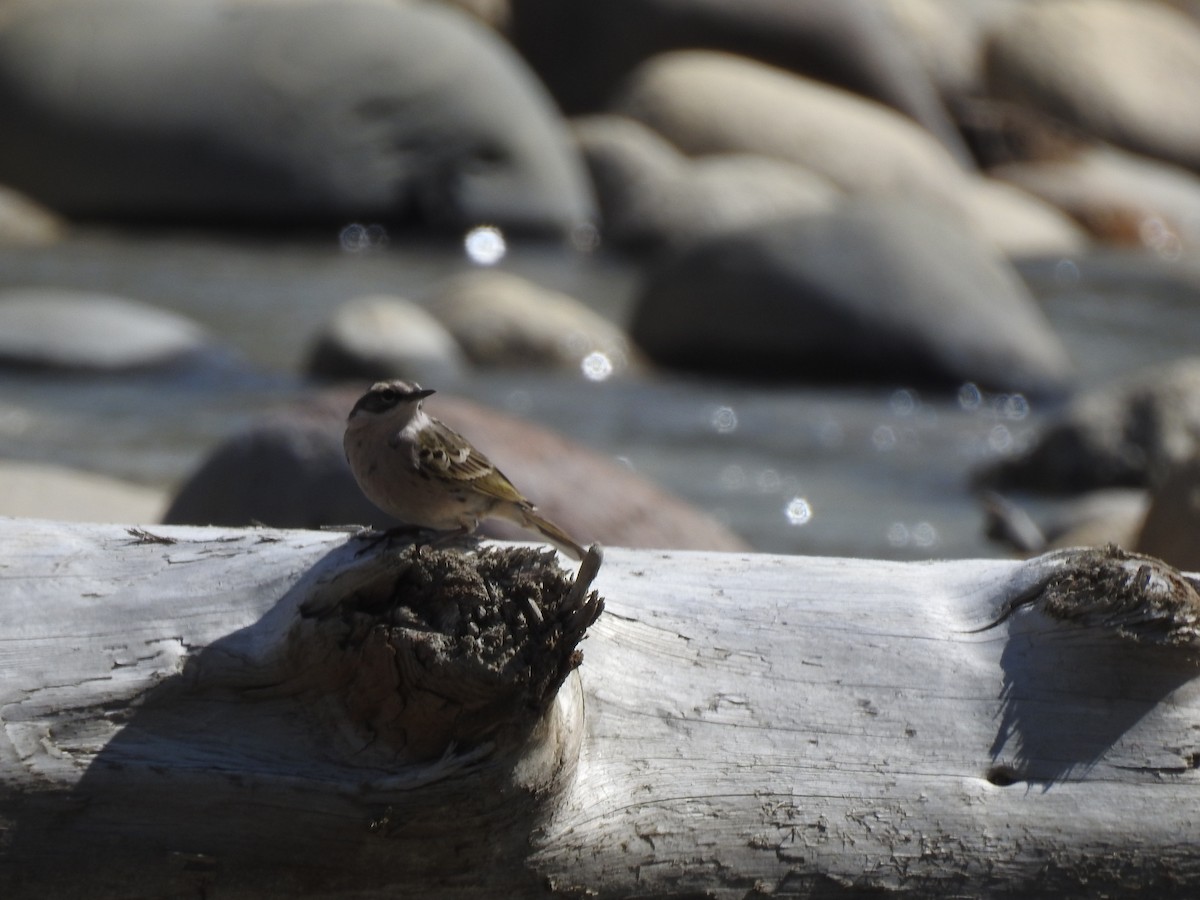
[[447, 451]]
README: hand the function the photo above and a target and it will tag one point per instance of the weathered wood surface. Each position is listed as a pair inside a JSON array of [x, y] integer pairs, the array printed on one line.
[[740, 724]]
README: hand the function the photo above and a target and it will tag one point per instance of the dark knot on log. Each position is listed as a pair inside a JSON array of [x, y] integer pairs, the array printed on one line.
[[429, 651], [1133, 596], [1138, 597]]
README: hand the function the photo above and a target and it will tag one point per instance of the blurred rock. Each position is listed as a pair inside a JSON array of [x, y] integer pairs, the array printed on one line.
[[1119, 197], [32, 490], [380, 337], [948, 36], [1131, 433], [500, 319], [1103, 517], [495, 13], [1123, 71], [57, 328], [330, 109], [583, 49], [652, 196], [887, 291], [636, 174], [707, 103], [291, 472], [23, 221], [1188, 7], [1108, 516], [1171, 530], [1020, 224]]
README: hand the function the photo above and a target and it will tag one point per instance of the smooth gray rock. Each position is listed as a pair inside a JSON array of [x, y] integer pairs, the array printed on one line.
[[653, 197], [502, 319], [1093, 519], [1122, 71], [39, 490], [56, 328], [1020, 224], [885, 291], [947, 37], [1120, 197], [1131, 433], [313, 109], [1171, 530], [291, 472], [583, 49], [378, 337], [22, 221], [707, 103]]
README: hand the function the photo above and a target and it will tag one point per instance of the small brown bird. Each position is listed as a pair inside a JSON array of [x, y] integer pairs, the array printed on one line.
[[426, 474]]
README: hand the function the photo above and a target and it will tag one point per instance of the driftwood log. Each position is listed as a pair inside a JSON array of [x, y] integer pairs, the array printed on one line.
[[250, 713]]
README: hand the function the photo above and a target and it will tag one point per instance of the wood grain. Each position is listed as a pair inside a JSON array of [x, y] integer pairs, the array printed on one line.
[[741, 723]]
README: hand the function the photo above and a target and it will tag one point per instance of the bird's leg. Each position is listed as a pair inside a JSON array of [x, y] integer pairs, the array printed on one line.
[[445, 537], [374, 537]]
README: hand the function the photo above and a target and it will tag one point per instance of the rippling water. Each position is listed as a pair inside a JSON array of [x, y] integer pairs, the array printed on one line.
[[878, 472]]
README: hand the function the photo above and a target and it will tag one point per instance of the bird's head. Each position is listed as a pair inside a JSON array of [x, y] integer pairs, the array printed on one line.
[[390, 399]]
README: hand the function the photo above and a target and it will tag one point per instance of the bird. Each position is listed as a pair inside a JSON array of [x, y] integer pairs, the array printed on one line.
[[426, 474]]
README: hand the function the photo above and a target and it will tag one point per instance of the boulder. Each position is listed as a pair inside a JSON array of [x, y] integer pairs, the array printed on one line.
[[947, 37], [1119, 525], [1094, 519], [1119, 197], [307, 110], [887, 291], [1123, 71], [22, 221], [1171, 530], [495, 13], [501, 319], [69, 330], [1131, 433], [653, 197], [583, 50], [35, 490], [707, 103], [1019, 223], [291, 472], [288, 472], [378, 337]]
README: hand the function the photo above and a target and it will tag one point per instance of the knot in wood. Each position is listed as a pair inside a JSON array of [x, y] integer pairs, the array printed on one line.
[[448, 649], [1133, 596], [1138, 597]]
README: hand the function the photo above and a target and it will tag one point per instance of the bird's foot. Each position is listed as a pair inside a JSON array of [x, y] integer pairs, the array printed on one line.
[[374, 537], [441, 538]]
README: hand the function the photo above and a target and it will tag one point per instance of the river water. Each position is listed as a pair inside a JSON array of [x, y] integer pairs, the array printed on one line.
[[879, 471]]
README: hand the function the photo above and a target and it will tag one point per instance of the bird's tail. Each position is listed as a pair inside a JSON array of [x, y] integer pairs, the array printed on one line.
[[528, 517]]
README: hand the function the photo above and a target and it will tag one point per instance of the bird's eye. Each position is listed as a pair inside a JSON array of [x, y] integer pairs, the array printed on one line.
[[389, 396]]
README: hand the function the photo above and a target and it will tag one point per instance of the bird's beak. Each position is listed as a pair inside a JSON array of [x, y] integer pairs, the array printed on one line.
[[423, 393]]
